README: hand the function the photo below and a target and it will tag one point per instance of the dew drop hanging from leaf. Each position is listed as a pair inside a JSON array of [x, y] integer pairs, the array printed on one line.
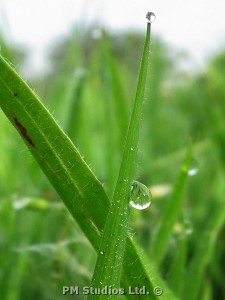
[[140, 196]]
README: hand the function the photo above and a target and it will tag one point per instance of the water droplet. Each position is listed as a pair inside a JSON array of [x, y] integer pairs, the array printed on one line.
[[101, 252], [188, 227], [150, 17], [140, 196], [193, 170]]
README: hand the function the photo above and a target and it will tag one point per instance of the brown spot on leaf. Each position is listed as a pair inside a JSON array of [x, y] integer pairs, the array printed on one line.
[[91, 223], [23, 131]]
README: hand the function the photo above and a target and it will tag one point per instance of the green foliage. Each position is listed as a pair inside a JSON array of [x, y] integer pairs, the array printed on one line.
[[90, 90], [171, 213]]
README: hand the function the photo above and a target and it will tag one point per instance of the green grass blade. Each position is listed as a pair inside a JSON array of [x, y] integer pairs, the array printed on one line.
[[177, 272], [55, 153], [203, 254], [172, 212], [74, 107], [143, 271], [112, 247], [118, 93], [111, 168]]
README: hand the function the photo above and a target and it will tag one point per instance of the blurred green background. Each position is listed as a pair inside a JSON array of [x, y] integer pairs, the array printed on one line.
[[89, 87]]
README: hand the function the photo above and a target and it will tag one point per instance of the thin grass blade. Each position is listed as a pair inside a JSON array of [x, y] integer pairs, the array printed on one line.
[[172, 212], [150, 279], [111, 252], [203, 254], [177, 272], [117, 89]]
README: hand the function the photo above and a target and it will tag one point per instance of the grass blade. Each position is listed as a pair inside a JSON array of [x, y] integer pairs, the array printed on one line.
[[203, 254], [172, 212], [74, 107], [55, 153], [113, 243], [177, 272], [118, 93], [139, 270]]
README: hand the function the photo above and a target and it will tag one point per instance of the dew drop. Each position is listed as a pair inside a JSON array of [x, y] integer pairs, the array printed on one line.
[[193, 170], [150, 17], [101, 252], [140, 196], [188, 227]]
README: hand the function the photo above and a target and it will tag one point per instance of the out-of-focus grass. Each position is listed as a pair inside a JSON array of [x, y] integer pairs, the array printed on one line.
[[45, 242]]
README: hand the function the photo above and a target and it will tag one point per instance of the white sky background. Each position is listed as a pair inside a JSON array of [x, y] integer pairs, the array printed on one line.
[[197, 26]]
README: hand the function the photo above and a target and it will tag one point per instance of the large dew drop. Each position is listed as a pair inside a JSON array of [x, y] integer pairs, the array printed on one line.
[[140, 196], [150, 17]]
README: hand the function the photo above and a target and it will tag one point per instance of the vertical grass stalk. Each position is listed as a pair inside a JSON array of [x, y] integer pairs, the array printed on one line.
[[164, 231], [111, 252]]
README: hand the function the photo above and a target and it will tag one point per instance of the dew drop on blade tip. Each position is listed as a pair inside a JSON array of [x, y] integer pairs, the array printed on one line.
[[150, 16], [140, 196]]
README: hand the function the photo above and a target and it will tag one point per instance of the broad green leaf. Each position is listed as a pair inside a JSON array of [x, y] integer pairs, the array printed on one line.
[[55, 153]]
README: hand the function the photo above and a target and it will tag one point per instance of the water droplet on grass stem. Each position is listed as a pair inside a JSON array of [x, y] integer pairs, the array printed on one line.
[[140, 196]]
